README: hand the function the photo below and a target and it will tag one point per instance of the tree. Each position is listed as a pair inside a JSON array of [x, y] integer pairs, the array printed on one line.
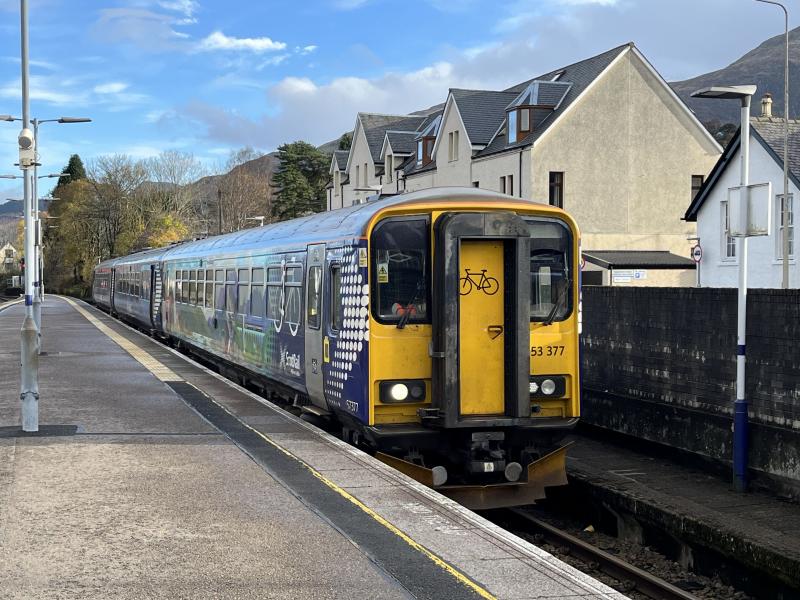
[[76, 172], [301, 181], [243, 192], [345, 141]]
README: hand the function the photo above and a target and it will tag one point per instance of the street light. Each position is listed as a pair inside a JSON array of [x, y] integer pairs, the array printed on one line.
[[744, 94], [785, 203]]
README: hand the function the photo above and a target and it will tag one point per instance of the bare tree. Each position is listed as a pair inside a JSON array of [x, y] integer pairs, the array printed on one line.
[[243, 193]]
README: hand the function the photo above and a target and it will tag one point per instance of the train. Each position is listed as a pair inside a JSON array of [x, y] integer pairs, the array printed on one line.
[[437, 330]]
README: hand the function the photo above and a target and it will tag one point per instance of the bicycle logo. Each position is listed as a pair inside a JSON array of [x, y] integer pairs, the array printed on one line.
[[475, 280]]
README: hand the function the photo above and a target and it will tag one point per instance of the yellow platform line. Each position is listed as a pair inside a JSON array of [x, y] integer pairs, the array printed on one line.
[[166, 374], [157, 368]]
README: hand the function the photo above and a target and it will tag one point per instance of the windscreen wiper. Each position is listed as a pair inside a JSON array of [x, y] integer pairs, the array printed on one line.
[[401, 324], [552, 316]]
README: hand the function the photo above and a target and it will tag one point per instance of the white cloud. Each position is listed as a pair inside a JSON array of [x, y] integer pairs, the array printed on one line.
[[219, 41], [148, 30], [187, 8], [114, 87], [307, 49]]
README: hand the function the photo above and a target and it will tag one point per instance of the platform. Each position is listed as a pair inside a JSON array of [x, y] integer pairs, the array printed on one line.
[[153, 477], [755, 531]]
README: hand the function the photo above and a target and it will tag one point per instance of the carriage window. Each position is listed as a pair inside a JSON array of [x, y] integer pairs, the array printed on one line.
[[257, 294], [219, 289], [400, 271], [337, 314], [243, 293], [294, 297], [192, 287], [230, 290], [313, 297], [274, 289], [551, 277]]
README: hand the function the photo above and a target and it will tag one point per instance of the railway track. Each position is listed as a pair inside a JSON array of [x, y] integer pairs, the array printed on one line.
[[635, 578]]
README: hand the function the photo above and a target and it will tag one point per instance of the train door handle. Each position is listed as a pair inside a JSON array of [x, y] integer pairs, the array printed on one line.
[[495, 331]]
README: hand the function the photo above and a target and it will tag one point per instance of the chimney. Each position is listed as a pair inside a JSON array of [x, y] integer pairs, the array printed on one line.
[[766, 105]]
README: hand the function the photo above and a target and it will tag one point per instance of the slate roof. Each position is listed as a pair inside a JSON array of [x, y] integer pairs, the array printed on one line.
[[482, 112], [375, 127], [402, 142], [637, 259], [340, 156], [768, 131], [580, 75]]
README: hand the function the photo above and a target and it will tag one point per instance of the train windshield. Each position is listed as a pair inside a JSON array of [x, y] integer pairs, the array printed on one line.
[[400, 265], [551, 280]]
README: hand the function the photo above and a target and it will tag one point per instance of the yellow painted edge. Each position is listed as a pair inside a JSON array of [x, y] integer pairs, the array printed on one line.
[[156, 367], [151, 363]]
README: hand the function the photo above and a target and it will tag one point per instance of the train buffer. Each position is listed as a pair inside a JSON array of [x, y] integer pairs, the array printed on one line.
[[152, 477]]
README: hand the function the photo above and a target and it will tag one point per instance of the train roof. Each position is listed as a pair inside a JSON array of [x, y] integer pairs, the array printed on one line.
[[343, 223]]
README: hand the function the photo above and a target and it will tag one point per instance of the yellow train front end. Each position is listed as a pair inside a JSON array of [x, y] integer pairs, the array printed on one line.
[[473, 353]]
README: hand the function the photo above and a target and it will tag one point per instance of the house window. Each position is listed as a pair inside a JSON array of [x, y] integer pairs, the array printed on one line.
[[389, 168], [366, 175], [510, 180], [476, 184], [358, 177], [557, 189], [336, 178], [419, 152], [525, 120], [506, 185], [452, 146], [512, 127], [697, 183], [779, 206], [502, 185], [728, 243]]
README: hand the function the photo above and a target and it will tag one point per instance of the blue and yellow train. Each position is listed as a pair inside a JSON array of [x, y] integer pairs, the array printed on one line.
[[438, 329]]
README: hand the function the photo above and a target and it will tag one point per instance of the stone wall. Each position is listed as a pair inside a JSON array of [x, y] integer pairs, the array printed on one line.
[[659, 364]]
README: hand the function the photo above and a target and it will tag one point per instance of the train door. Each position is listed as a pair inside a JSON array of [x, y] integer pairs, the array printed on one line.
[[155, 294], [315, 274], [481, 365], [481, 327]]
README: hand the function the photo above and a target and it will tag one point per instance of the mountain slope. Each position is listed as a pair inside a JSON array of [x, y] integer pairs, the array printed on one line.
[[762, 66]]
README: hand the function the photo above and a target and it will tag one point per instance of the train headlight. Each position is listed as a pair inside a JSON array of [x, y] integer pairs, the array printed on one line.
[[408, 391], [547, 386], [398, 392]]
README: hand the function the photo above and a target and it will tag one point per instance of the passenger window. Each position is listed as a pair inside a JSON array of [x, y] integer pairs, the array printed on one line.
[[337, 315], [274, 288], [209, 296], [192, 292], [219, 289], [257, 294], [313, 297], [400, 270], [243, 293], [294, 297]]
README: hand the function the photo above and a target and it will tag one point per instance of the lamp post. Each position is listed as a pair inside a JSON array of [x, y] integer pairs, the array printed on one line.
[[785, 203], [744, 94], [36, 258]]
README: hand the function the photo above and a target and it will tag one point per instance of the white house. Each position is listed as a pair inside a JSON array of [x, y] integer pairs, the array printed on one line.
[[719, 265]]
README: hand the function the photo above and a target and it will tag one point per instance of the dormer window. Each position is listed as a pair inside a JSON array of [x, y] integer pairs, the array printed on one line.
[[425, 150], [542, 96]]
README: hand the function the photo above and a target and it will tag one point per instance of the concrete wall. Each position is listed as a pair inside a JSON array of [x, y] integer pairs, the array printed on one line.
[[488, 171], [456, 172], [659, 364], [359, 155], [628, 152], [764, 269]]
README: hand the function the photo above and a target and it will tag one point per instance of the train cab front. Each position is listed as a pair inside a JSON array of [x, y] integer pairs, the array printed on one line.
[[473, 356]]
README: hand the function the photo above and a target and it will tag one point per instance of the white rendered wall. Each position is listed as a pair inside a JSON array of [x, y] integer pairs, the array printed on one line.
[[764, 269]]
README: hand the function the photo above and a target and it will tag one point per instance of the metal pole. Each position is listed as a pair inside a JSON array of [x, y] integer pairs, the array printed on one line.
[[785, 203], [30, 360], [785, 211], [37, 282], [740, 421]]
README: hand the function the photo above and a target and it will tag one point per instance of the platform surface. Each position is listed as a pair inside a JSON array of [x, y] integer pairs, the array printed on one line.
[[153, 477]]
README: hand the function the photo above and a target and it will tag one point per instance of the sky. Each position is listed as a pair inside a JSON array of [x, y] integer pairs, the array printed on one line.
[[210, 76]]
